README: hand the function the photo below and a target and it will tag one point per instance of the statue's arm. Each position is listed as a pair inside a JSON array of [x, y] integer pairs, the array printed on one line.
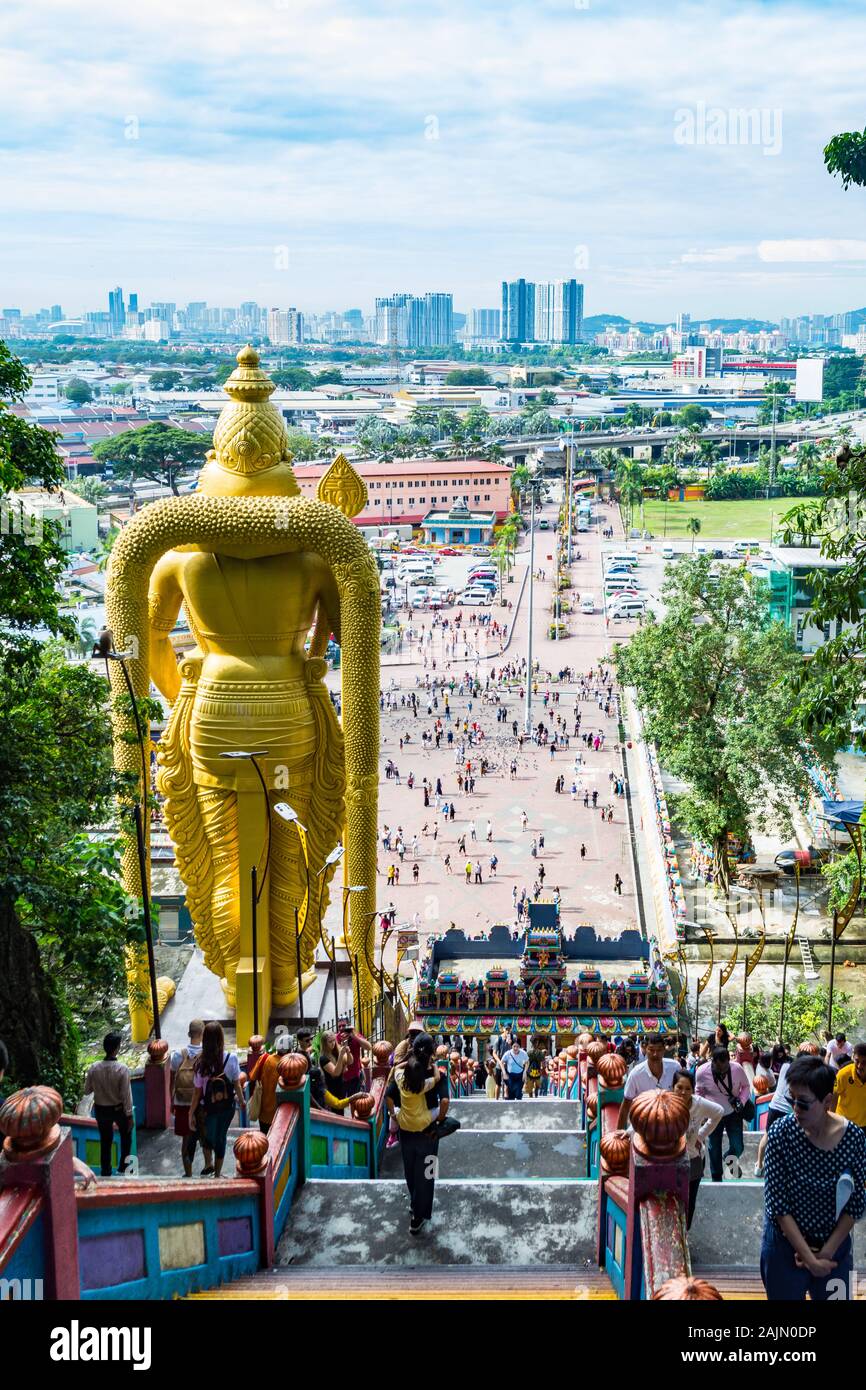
[[164, 601], [327, 614]]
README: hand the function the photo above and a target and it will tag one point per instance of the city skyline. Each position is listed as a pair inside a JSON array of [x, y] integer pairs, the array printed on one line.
[[350, 149]]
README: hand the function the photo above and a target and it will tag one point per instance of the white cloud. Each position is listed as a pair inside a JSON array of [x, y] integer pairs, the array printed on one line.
[[716, 255], [303, 123], [821, 249]]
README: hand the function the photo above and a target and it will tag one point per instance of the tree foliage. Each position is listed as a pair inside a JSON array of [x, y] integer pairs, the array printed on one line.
[[63, 923], [713, 681], [830, 687], [845, 155], [157, 451], [806, 1013]]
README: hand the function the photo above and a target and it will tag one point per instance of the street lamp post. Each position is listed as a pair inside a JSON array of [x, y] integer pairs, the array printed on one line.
[[527, 722], [104, 649], [333, 858], [256, 888], [290, 815]]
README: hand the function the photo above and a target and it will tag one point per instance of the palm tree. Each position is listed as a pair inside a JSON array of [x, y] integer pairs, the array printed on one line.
[[708, 454], [693, 526], [105, 548], [808, 456], [87, 634]]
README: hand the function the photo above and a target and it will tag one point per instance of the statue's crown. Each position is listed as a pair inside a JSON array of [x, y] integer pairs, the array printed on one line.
[[250, 436]]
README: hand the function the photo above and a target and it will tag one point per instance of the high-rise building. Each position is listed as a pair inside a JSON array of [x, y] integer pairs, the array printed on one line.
[[485, 323], [132, 306], [684, 324], [285, 327], [116, 311], [408, 320], [437, 325], [518, 311], [163, 310], [56, 313], [558, 311]]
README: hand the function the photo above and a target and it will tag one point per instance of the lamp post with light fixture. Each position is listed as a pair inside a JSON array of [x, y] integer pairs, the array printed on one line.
[[256, 890], [104, 650], [290, 816]]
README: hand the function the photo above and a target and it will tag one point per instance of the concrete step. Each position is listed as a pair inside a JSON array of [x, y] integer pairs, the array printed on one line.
[[447, 1283], [538, 1115], [504, 1153], [346, 1223], [508, 1153]]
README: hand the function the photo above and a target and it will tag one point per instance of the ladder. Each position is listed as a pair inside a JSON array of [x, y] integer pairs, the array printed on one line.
[[808, 963]]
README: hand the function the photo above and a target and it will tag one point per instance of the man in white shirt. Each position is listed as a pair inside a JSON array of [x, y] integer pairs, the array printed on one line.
[[514, 1064], [655, 1074], [838, 1052]]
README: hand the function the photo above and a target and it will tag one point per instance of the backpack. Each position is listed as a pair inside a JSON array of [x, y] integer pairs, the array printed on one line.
[[184, 1082], [219, 1095]]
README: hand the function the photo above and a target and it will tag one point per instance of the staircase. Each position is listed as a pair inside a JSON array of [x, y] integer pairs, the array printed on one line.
[[512, 1219]]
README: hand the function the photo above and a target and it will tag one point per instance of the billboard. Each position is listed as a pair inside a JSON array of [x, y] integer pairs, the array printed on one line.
[[810, 379]]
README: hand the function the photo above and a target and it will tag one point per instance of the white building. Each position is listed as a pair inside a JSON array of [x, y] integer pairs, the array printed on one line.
[[285, 327]]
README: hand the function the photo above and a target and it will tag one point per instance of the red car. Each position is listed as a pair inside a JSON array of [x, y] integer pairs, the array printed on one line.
[[447, 550]]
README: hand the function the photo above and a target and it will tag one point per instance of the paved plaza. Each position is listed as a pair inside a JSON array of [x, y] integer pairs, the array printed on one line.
[[580, 850]]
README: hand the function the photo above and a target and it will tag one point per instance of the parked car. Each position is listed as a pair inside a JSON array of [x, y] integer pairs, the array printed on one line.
[[482, 597], [481, 550], [448, 550], [668, 552], [628, 608]]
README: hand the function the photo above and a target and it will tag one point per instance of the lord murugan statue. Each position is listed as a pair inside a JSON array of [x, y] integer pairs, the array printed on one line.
[[256, 568]]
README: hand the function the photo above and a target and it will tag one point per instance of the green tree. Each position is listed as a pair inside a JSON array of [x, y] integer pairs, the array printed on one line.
[[693, 416], [165, 380], [157, 451], [709, 454], [830, 684], [90, 488], [713, 680], [693, 526], [293, 378], [60, 911], [806, 1012], [78, 391], [467, 376], [302, 446], [846, 155]]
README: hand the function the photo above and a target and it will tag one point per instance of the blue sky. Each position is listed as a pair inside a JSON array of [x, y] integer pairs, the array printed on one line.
[[320, 153]]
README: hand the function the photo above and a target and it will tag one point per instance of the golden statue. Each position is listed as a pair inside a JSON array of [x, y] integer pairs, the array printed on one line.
[[256, 567]]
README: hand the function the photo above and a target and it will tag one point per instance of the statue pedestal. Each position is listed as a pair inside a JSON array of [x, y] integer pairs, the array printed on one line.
[[245, 984]]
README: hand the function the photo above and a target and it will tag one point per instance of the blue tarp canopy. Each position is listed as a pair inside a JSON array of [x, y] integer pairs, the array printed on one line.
[[845, 812]]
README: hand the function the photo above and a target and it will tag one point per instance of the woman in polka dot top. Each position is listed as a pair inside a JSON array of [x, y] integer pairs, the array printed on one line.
[[814, 1191]]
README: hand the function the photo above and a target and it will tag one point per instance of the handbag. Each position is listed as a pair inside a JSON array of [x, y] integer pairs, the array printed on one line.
[[254, 1104], [440, 1129], [743, 1109]]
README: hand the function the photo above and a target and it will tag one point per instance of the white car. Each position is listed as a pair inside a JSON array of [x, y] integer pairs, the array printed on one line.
[[482, 597], [587, 603], [628, 608]]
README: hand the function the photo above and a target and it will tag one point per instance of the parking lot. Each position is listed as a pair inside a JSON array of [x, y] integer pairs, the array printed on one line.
[[652, 568], [451, 573]]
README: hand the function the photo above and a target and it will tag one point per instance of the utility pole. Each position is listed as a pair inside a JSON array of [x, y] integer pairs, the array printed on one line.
[[527, 722], [773, 441], [569, 473]]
